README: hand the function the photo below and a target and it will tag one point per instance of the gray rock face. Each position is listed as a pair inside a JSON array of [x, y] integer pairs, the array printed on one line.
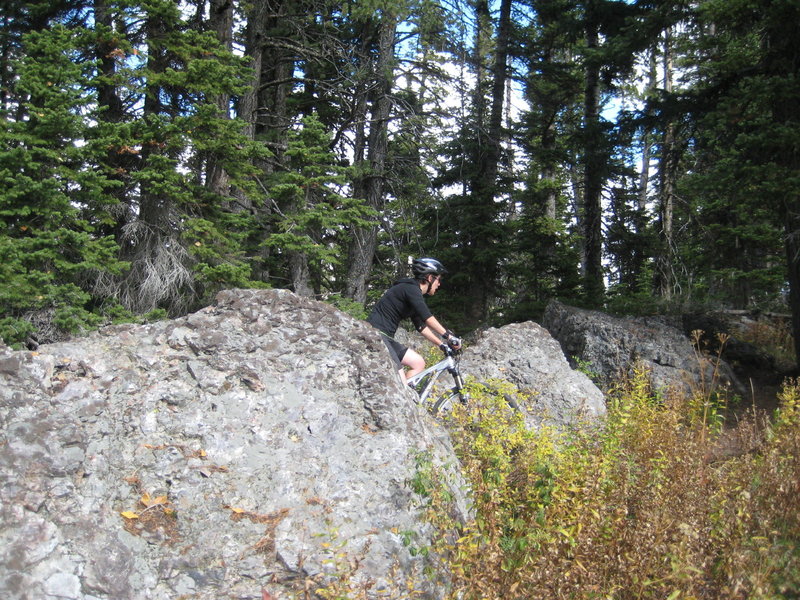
[[611, 346], [262, 445], [527, 355]]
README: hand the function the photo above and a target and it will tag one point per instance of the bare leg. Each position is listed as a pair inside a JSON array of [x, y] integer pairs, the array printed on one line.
[[414, 362]]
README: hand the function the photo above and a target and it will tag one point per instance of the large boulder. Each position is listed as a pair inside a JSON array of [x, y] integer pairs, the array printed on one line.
[[256, 448], [526, 355], [611, 347], [720, 334]]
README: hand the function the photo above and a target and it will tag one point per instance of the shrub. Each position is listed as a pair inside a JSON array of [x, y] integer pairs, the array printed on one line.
[[635, 506], [773, 336]]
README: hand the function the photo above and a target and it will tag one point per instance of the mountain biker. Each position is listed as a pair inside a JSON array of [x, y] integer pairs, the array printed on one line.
[[405, 299]]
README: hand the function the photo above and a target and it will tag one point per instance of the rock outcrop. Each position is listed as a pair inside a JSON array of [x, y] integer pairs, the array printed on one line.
[[744, 357], [527, 355], [611, 346], [259, 446]]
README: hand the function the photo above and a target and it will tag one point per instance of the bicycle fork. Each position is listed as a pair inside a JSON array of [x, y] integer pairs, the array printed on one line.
[[459, 383]]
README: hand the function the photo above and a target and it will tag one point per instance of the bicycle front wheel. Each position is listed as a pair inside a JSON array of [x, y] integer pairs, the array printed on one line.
[[445, 402], [494, 390]]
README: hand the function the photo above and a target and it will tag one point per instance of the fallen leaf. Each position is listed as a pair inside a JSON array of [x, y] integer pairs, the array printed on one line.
[[148, 501], [129, 514]]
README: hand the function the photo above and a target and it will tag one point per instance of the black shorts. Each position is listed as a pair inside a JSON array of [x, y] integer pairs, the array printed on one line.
[[396, 350]]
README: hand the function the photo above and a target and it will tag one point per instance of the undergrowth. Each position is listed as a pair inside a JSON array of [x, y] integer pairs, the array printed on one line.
[[635, 506], [774, 336]]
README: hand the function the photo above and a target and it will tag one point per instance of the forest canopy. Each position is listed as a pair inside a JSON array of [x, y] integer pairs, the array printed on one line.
[[631, 156]]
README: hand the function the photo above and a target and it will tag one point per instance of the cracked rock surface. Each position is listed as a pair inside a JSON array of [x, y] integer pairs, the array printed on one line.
[[258, 445]]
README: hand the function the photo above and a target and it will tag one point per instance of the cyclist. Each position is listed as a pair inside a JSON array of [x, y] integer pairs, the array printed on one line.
[[405, 299]]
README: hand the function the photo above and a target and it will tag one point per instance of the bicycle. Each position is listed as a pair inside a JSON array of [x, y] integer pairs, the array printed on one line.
[[423, 384]]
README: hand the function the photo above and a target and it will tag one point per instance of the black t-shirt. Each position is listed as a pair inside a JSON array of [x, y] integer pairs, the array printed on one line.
[[401, 301]]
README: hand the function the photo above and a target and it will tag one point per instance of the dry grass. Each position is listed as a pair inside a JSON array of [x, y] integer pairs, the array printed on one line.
[[637, 507]]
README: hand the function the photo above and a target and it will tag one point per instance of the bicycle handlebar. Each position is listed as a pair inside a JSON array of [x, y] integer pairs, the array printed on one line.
[[449, 351]]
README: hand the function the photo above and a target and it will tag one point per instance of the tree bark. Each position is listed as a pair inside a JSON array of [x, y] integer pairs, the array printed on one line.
[[221, 20], [106, 51], [252, 111], [647, 142], [782, 63], [594, 287], [254, 47], [365, 240], [120, 163], [667, 175], [480, 253]]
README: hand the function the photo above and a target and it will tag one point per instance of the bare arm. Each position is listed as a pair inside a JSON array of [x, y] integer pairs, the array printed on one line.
[[430, 336], [432, 327], [433, 324]]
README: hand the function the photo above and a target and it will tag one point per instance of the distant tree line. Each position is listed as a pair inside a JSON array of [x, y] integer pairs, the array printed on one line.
[[633, 156]]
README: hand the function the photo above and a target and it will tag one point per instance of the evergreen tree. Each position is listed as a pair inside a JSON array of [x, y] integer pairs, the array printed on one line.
[[54, 199], [126, 179], [470, 228], [371, 144], [113, 122], [314, 213], [419, 120], [547, 251], [743, 190], [183, 239]]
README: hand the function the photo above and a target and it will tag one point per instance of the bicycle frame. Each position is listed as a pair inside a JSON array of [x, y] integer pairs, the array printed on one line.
[[422, 383], [433, 373]]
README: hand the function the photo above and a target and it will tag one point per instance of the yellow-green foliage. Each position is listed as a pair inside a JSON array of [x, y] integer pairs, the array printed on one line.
[[635, 506]]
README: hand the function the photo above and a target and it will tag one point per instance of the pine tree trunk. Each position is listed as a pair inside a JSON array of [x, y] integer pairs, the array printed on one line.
[[782, 62], [120, 163], [634, 277], [249, 110], [593, 169], [480, 255], [254, 50], [221, 20], [365, 240], [107, 95], [159, 275], [647, 142], [667, 175]]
